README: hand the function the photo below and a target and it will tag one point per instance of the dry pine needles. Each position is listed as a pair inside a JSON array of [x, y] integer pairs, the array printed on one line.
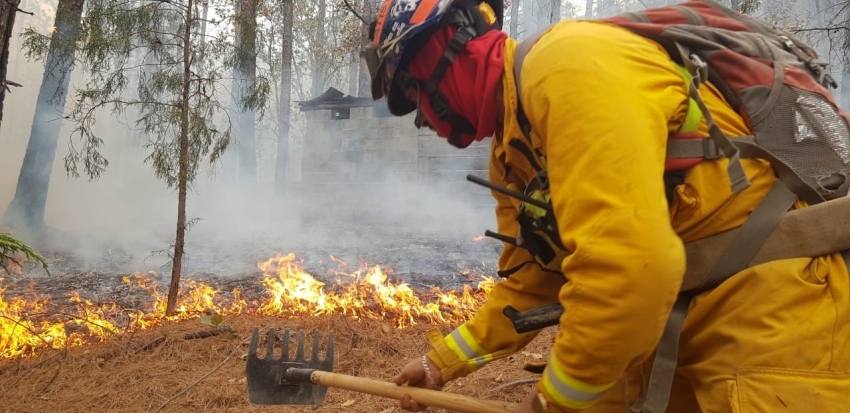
[[185, 372]]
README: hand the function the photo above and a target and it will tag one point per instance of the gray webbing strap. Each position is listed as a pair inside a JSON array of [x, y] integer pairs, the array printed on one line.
[[784, 171], [522, 49], [700, 148], [666, 356], [752, 235], [748, 148], [749, 239], [699, 73]]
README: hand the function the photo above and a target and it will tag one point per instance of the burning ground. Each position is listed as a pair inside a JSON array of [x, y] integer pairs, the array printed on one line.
[[99, 341]]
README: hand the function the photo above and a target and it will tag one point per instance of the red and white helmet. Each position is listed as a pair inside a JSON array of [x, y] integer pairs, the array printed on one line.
[[401, 28]]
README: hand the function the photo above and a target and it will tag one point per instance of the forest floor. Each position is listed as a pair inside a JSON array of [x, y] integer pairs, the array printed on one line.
[[142, 372], [167, 368]]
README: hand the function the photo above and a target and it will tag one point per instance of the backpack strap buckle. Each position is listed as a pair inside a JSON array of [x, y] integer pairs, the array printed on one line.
[[693, 64], [701, 72], [710, 150]]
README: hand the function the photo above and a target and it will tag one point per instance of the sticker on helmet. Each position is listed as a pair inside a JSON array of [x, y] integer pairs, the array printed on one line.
[[423, 11], [404, 6], [379, 21]]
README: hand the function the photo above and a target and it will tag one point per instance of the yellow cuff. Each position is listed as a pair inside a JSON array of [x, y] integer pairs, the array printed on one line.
[[451, 367], [552, 406], [566, 391]]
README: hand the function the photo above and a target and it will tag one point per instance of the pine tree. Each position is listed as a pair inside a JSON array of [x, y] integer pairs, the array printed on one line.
[[177, 92]]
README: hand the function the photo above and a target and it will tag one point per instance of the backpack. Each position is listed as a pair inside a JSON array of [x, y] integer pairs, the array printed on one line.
[[779, 87]]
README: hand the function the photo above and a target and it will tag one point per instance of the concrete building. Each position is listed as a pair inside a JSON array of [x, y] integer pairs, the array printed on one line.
[[355, 154]]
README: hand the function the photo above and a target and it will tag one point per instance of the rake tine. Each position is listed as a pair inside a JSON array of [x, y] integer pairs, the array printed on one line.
[[252, 348], [315, 356], [285, 354], [329, 353], [299, 354], [270, 345]]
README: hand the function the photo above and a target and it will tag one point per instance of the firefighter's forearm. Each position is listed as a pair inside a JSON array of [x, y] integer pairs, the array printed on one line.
[[489, 335]]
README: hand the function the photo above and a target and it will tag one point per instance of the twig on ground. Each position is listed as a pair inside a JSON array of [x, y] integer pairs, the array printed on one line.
[[37, 365], [208, 333], [55, 375], [106, 355], [83, 318], [515, 383], [131, 330], [151, 345], [189, 387], [355, 337], [19, 324]]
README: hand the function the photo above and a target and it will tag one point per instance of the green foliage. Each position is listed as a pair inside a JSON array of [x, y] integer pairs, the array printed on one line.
[[10, 246], [212, 321], [134, 54], [749, 6]]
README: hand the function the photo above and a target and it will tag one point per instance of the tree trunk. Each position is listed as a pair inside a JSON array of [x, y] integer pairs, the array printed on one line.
[[554, 11], [588, 9], [353, 70], [27, 208], [528, 23], [364, 89], [282, 161], [245, 76], [541, 14], [200, 58], [183, 165], [607, 8], [843, 92], [23, 5], [8, 11], [515, 19], [319, 62]]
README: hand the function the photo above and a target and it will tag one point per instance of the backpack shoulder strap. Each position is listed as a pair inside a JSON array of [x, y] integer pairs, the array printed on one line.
[[522, 49]]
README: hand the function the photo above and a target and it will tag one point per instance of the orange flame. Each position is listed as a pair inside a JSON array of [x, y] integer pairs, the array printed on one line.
[[29, 325]]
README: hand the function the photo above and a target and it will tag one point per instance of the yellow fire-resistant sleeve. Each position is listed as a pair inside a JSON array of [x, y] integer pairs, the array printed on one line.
[[602, 99], [489, 335]]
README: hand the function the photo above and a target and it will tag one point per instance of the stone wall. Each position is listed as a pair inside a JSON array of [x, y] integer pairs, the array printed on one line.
[[350, 164]]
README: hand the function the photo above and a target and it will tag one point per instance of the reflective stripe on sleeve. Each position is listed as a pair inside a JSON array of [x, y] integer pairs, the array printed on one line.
[[569, 391], [466, 348]]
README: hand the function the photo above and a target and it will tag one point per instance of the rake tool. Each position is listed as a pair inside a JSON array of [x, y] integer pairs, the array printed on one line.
[[301, 381]]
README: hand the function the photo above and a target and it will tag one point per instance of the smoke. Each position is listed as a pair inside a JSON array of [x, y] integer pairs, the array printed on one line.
[[125, 221]]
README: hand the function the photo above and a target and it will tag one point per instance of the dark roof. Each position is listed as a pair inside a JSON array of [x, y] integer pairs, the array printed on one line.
[[334, 99]]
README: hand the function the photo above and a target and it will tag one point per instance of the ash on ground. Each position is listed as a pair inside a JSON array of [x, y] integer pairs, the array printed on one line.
[[448, 260]]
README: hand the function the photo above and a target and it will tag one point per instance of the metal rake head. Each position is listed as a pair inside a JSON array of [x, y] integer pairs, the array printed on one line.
[[268, 382]]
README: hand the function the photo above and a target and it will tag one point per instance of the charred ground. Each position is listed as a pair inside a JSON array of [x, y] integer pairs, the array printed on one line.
[[166, 369]]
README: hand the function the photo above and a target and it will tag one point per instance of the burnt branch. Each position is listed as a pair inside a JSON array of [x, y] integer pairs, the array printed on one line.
[[189, 387], [56, 374], [352, 10], [151, 345], [208, 333], [516, 383], [819, 29]]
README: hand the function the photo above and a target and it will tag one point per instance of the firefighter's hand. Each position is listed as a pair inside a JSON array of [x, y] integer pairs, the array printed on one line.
[[414, 375], [527, 404]]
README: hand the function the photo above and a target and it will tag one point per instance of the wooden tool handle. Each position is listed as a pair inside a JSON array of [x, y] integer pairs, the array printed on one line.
[[422, 396]]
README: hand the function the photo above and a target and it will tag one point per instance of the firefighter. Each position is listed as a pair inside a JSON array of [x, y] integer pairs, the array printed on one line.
[[601, 102]]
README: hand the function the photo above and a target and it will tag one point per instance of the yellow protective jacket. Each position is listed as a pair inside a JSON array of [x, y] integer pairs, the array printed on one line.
[[602, 102]]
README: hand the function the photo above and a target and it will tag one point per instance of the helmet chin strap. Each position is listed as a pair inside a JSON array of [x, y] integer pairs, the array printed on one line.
[[456, 139], [470, 26]]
